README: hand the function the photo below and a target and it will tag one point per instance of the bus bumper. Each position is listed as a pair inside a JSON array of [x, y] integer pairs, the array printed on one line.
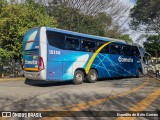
[[34, 75]]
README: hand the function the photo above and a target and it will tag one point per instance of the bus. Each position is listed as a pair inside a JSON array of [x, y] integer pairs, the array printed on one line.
[[53, 54]]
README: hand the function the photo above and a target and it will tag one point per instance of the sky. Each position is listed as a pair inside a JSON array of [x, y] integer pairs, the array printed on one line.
[[132, 1]]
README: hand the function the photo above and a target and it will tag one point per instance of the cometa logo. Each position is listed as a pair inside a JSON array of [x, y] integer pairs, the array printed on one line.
[[120, 59], [30, 62]]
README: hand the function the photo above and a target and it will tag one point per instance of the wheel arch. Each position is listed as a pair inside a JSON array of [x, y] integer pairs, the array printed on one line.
[[82, 69]]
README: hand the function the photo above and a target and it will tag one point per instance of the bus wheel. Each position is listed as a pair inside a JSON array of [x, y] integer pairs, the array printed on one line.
[[139, 74], [92, 76], [78, 77], [26, 79]]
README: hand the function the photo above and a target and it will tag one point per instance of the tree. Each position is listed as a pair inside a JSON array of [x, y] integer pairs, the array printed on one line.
[[125, 37], [116, 33], [114, 8], [2, 4], [73, 19], [152, 45], [15, 20], [146, 16], [88, 16]]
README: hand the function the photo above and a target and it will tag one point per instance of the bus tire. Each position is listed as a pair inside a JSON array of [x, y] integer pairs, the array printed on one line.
[[26, 79], [92, 76], [78, 77], [139, 74]]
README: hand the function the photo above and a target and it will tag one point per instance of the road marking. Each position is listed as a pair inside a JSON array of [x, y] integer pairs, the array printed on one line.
[[142, 105], [122, 94], [12, 79], [85, 105]]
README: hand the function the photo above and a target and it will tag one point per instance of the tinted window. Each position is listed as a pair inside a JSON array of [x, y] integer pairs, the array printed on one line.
[[88, 45], [135, 51], [31, 35], [126, 50], [105, 49], [72, 43], [115, 49], [56, 39]]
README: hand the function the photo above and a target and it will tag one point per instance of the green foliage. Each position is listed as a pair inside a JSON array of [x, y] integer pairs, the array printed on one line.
[[15, 20], [146, 17], [146, 13], [73, 19], [152, 45], [115, 33], [2, 4], [125, 38]]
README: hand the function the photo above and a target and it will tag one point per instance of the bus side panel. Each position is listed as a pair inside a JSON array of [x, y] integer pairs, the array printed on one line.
[[101, 64], [110, 65], [54, 63], [68, 72], [63, 63], [137, 66], [107, 65], [43, 51], [54, 70], [72, 63], [128, 67], [114, 67], [133, 67]]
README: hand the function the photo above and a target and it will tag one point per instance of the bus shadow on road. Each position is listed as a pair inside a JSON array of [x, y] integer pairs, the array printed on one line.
[[40, 83]]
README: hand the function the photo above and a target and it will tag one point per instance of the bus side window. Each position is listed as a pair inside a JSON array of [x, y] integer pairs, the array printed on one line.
[[72, 43], [105, 49], [115, 49], [56, 39], [126, 50], [135, 51], [132, 51], [88, 45]]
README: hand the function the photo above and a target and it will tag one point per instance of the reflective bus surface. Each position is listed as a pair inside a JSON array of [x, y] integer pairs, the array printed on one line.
[[55, 55]]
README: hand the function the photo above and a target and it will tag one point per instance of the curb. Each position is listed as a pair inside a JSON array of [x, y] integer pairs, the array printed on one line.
[[11, 79]]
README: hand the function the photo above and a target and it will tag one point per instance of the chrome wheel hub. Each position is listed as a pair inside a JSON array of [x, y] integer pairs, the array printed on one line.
[[79, 77], [93, 76]]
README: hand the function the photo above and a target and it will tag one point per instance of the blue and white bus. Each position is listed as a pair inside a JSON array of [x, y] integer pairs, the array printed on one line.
[[53, 54]]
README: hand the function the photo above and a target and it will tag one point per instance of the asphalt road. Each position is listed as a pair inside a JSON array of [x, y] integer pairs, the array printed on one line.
[[105, 99]]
